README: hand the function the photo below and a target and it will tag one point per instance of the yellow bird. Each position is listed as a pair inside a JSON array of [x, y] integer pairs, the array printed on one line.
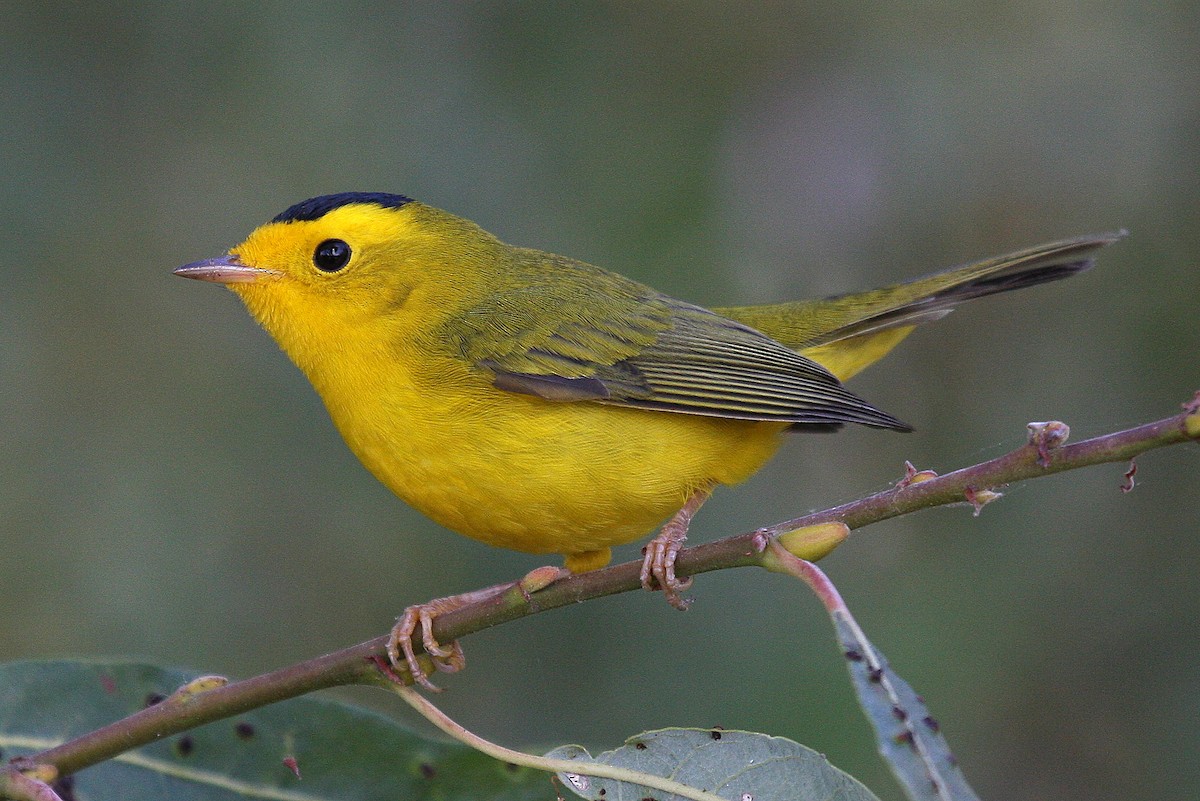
[[538, 403]]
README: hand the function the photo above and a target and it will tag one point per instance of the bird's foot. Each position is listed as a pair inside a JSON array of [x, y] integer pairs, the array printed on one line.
[[420, 617], [658, 566], [403, 656]]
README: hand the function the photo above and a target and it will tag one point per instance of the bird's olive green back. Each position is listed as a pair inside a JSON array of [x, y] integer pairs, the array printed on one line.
[[567, 331]]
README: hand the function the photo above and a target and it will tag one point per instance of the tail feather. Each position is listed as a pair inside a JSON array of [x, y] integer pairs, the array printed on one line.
[[860, 320], [943, 301]]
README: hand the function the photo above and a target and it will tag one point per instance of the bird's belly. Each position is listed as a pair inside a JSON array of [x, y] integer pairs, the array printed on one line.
[[545, 477]]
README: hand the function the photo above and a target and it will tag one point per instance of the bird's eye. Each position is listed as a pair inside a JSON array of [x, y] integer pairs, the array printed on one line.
[[331, 255]]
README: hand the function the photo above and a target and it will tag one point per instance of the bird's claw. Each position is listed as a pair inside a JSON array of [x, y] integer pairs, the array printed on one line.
[[420, 617], [658, 567], [402, 655]]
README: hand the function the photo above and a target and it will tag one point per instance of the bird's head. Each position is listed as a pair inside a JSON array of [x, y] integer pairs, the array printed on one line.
[[337, 266]]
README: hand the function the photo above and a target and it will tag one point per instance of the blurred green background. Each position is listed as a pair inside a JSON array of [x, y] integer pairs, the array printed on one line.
[[173, 489]]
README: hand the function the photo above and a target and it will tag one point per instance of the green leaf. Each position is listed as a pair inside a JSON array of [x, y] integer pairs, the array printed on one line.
[[909, 737], [342, 752], [738, 765]]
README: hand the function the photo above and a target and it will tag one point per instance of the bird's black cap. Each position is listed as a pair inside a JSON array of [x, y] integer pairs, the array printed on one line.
[[317, 207]]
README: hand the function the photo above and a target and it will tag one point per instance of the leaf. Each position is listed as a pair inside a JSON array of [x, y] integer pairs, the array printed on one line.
[[342, 752], [909, 737], [737, 765]]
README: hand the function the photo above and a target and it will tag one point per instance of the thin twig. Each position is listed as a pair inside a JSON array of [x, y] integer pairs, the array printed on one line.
[[578, 767]]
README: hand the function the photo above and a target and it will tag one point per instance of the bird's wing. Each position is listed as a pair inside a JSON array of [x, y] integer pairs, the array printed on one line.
[[591, 335]]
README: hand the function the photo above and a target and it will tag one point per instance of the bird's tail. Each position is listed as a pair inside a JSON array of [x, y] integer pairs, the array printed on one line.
[[846, 333]]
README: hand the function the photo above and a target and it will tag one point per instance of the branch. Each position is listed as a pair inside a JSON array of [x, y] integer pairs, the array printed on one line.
[[204, 701]]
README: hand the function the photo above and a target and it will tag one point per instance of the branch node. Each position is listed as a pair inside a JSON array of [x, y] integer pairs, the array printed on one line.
[[1046, 437], [1128, 484], [37, 771], [29, 783], [980, 498], [814, 542], [914, 476], [1193, 406], [539, 579], [1191, 419], [759, 540], [197, 686]]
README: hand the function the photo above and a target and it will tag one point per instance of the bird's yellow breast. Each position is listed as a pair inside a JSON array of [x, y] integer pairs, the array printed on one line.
[[525, 473]]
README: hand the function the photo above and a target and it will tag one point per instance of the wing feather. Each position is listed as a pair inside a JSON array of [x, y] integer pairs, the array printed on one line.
[[591, 335]]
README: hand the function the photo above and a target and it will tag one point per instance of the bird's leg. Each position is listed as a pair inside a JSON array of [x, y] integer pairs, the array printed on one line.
[[658, 567], [450, 658]]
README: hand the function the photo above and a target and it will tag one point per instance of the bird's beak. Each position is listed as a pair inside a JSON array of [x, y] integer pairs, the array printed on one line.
[[225, 270]]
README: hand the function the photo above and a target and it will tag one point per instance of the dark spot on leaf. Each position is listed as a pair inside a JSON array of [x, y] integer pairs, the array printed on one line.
[[931, 722], [853, 655], [603, 791], [244, 730], [715, 734], [154, 698], [904, 737], [899, 713], [428, 771], [511, 768], [640, 746], [185, 745], [875, 675]]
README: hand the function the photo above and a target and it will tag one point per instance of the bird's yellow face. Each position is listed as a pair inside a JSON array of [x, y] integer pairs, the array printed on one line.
[[353, 271]]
